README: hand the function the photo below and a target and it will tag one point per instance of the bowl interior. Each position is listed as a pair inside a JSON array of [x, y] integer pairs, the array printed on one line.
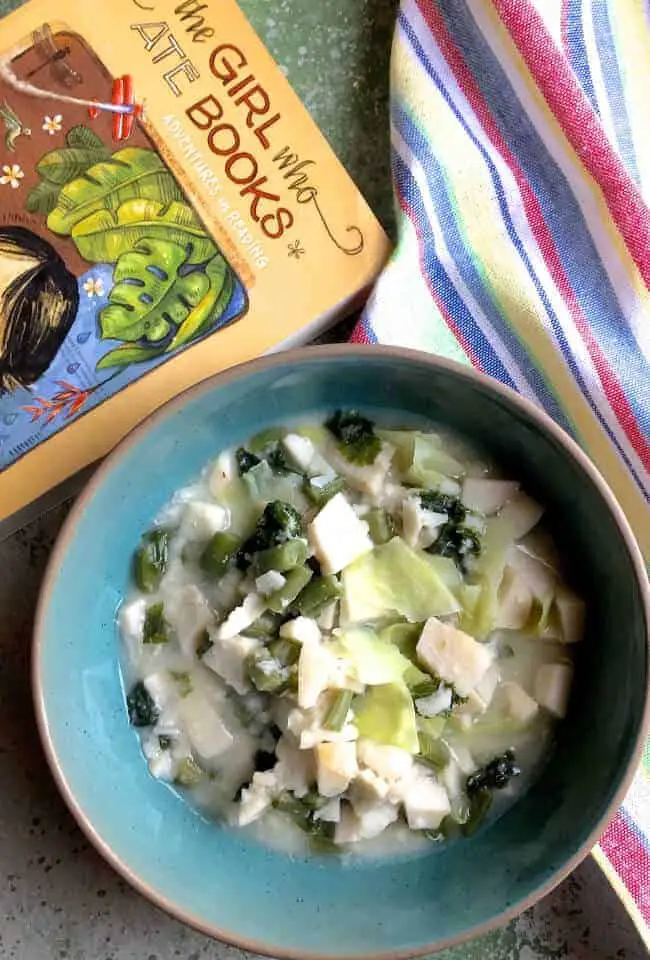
[[215, 878]]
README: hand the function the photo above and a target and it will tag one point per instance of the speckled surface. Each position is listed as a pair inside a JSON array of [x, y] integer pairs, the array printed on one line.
[[59, 900]]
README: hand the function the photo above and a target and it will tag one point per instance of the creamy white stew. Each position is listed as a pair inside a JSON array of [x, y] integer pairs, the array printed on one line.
[[355, 636]]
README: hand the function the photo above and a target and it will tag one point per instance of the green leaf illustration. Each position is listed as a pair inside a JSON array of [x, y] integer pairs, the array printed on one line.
[[210, 308], [86, 139], [42, 198], [127, 174], [150, 298], [62, 166], [105, 236]]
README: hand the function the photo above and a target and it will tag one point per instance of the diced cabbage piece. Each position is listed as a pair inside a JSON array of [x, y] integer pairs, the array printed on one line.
[[306, 457], [487, 496], [430, 461], [553, 686], [227, 658], [435, 703], [338, 536], [202, 520], [386, 714], [205, 728], [264, 485], [453, 655], [241, 617], [393, 578], [336, 766], [374, 661], [517, 703]]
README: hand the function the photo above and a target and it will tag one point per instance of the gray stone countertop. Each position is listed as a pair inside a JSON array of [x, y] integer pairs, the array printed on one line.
[[59, 900]]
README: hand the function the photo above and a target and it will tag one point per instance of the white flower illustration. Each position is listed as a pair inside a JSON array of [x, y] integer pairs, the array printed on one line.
[[94, 286], [12, 175], [53, 124]]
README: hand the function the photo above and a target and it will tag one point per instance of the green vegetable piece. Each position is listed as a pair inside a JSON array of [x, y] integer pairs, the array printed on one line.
[[433, 751], [317, 595], [183, 681], [286, 651], [189, 773], [380, 525], [386, 714], [495, 775], [279, 522], [266, 626], [320, 832], [218, 553], [245, 460], [266, 482], [480, 803], [266, 673], [319, 490], [150, 303], [404, 636], [394, 578], [337, 713], [439, 502], [297, 579], [155, 626], [104, 236], [151, 560], [432, 726], [286, 556], [204, 644], [141, 708], [130, 174], [457, 542], [375, 662], [356, 436], [431, 463], [265, 439], [424, 687]]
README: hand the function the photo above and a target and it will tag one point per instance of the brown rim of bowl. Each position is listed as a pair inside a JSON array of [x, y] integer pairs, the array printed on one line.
[[283, 359]]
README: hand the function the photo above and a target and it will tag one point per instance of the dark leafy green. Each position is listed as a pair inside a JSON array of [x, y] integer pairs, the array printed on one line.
[[356, 436], [204, 644], [140, 705], [457, 542], [279, 522], [495, 775], [245, 460], [439, 502]]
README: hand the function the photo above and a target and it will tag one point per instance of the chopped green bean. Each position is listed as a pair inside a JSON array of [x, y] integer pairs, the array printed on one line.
[[317, 595], [267, 625], [183, 680], [336, 715], [218, 553], [321, 489], [286, 556], [297, 580], [380, 525], [285, 650], [155, 626], [266, 673], [151, 560]]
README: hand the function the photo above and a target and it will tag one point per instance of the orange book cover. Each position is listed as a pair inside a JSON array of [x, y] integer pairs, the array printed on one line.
[[167, 209]]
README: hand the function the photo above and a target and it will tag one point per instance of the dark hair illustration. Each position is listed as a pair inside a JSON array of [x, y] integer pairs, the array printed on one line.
[[39, 298]]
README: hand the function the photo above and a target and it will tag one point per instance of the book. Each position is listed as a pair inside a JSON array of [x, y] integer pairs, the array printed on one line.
[[167, 209]]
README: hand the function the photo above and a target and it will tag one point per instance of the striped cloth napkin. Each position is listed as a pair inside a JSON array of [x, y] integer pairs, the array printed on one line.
[[521, 165]]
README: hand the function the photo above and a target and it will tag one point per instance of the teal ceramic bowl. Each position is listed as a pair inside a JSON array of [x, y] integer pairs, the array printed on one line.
[[231, 887]]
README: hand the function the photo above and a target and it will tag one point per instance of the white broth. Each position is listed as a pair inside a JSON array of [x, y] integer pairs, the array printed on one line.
[[350, 638]]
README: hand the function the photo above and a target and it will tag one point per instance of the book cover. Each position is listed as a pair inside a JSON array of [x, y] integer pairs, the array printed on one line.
[[167, 209]]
